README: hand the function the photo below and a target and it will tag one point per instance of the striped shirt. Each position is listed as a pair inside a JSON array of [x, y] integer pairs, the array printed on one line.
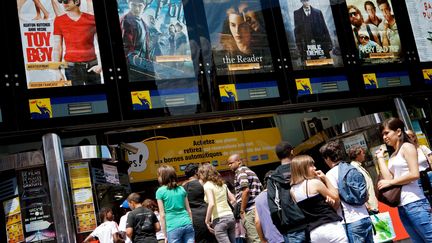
[[245, 177]]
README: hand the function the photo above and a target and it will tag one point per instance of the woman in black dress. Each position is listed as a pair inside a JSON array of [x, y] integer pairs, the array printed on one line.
[[195, 192]]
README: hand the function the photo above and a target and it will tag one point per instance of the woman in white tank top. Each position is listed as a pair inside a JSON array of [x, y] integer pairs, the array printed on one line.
[[403, 169]]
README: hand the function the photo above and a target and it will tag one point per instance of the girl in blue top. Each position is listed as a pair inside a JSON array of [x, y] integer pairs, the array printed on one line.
[[174, 211]]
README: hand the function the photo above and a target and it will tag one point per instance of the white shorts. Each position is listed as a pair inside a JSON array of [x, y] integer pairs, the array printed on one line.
[[330, 232]]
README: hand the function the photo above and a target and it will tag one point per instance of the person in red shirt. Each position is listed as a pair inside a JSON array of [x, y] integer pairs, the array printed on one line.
[[74, 35]]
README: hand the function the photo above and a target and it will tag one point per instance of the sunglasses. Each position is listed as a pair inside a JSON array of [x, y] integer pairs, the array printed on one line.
[[364, 37], [352, 14], [63, 1]]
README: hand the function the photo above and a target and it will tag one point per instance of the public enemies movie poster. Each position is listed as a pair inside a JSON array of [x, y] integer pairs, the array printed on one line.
[[311, 34], [238, 37], [155, 39], [420, 14], [59, 43], [375, 31]]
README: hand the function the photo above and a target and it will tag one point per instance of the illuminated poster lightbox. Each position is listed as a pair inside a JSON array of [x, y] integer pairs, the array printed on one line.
[[311, 34], [155, 40], [238, 38], [375, 31], [59, 43], [420, 14]]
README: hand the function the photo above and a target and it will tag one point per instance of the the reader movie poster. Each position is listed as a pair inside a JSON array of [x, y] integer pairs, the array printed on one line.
[[59, 43], [238, 38], [375, 31], [420, 14], [311, 34], [155, 39]]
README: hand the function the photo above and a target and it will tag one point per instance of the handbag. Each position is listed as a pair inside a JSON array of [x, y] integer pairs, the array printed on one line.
[[390, 195]]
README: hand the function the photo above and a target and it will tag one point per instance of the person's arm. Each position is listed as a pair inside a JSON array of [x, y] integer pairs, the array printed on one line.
[[326, 190], [157, 226], [129, 232], [186, 202], [409, 152], [162, 217], [210, 204], [245, 199], [97, 68], [385, 172], [259, 228], [231, 197], [88, 238]]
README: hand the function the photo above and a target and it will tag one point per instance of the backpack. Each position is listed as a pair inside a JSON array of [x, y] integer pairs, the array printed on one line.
[[285, 214], [351, 185]]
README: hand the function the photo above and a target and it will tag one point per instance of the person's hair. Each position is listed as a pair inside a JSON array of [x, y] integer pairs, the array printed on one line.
[[227, 39], [353, 7], [208, 172], [191, 170], [370, 3], [379, 2], [134, 197], [413, 138], [283, 150], [266, 177], [354, 151], [168, 176], [394, 124], [103, 212], [300, 168], [332, 150], [150, 204]]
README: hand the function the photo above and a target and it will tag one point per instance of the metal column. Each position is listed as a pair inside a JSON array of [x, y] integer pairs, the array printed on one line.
[[403, 113], [59, 193]]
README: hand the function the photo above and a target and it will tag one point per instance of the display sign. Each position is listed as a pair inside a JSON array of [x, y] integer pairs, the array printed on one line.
[[311, 34], [420, 14], [155, 40], [45, 108], [248, 91], [386, 80], [318, 85], [151, 99], [375, 31], [256, 146], [238, 38], [82, 196], [427, 76], [59, 43], [14, 229], [36, 207]]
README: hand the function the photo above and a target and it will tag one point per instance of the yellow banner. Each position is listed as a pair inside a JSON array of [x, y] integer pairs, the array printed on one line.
[[256, 146]]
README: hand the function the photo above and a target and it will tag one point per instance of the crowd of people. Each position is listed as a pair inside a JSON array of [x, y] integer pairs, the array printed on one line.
[[312, 206]]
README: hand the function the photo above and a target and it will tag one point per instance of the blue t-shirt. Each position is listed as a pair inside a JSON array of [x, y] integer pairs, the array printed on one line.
[[176, 215]]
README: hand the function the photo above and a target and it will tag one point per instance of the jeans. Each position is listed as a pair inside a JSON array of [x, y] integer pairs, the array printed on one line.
[[224, 228], [295, 237], [79, 75], [360, 231], [183, 234], [416, 217]]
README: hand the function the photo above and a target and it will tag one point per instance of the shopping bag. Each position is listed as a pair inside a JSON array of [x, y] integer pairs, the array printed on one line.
[[384, 230]]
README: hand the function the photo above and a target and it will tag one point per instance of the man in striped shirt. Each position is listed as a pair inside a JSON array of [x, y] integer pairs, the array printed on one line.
[[247, 187]]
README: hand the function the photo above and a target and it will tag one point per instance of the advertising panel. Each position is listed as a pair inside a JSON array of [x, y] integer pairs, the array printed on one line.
[[256, 146], [59, 43], [238, 38], [375, 31], [420, 14], [14, 229], [311, 34], [155, 40]]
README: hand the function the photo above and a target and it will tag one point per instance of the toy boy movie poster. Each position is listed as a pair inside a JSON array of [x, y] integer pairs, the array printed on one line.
[[420, 14], [238, 37], [311, 33], [59, 43], [155, 39], [375, 31]]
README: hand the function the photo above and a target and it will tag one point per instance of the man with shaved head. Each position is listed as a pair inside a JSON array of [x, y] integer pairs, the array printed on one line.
[[247, 187]]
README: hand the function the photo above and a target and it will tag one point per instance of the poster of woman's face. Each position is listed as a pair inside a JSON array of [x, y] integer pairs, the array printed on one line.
[[311, 34], [238, 38]]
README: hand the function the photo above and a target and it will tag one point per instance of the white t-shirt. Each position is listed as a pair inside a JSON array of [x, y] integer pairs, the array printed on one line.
[[352, 213], [122, 226], [105, 231], [422, 160], [410, 192]]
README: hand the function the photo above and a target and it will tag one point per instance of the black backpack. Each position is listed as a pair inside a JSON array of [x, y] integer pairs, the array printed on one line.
[[285, 214]]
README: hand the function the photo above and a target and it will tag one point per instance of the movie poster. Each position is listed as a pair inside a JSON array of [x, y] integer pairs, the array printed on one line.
[[311, 34], [155, 39], [59, 43], [420, 14], [238, 38], [375, 31]]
